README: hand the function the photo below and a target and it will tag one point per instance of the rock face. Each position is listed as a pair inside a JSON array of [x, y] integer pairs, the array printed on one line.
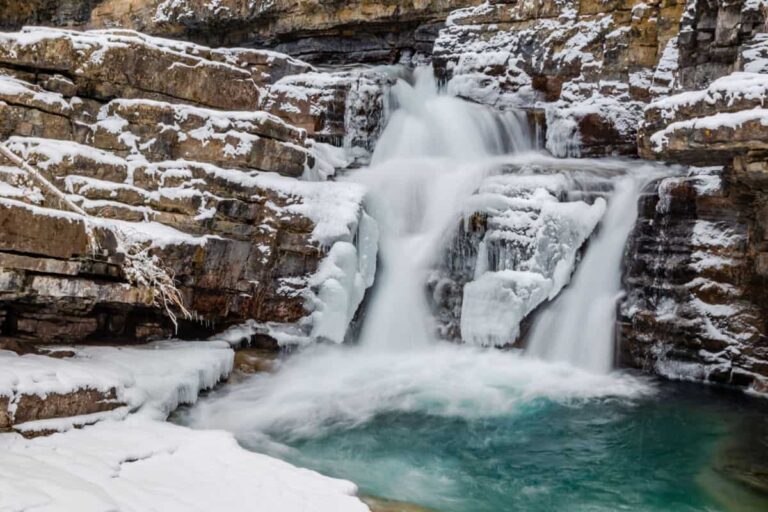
[[697, 306], [695, 276], [57, 389], [346, 109], [143, 136], [323, 31], [592, 66]]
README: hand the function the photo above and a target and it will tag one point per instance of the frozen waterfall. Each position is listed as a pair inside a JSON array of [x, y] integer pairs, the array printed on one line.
[[431, 157], [441, 162]]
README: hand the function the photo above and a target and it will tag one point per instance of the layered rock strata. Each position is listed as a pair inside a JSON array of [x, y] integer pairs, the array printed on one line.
[[697, 306], [592, 66], [162, 146], [328, 31]]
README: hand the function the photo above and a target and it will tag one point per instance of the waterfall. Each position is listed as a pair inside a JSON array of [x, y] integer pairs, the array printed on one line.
[[431, 156], [438, 158], [578, 327]]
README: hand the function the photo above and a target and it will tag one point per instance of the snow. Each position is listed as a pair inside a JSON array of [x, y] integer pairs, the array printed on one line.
[[54, 152], [496, 303], [212, 120], [136, 462], [664, 75], [158, 377], [732, 120], [156, 234], [341, 288], [32, 195], [754, 54], [11, 88], [139, 465], [736, 87], [93, 45]]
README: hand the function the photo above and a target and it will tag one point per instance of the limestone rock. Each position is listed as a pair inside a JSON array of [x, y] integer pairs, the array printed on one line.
[[709, 126], [329, 31], [589, 64], [340, 31], [696, 306], [342, 108], [110, 64], [58, 405], [168, 163]]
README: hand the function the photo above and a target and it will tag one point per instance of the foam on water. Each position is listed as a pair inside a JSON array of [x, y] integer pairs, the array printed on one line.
[[326, 388]]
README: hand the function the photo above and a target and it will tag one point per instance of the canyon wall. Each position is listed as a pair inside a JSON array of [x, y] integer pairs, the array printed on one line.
[[194, 138], [166, 168], [322, 31]]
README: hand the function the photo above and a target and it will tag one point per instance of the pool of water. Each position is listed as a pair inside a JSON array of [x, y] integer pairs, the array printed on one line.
[[472, 434]]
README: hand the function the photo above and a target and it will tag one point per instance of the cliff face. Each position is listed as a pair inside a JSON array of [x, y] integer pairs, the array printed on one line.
[[166, 165], [591, 66], [327, 31], [697, 306]]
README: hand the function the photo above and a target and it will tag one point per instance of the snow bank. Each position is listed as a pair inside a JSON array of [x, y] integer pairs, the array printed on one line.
[[154, 378], [139, 464]]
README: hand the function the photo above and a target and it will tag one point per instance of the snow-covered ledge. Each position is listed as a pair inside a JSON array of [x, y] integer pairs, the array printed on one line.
[[131, 459]]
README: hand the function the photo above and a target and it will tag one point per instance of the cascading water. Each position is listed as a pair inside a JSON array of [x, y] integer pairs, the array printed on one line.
[[577, 328], [431, 157], [462, 428]]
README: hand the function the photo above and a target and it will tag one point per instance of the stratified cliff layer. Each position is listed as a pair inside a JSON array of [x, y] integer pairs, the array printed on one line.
[[696, 268], [169, 167], [327, 31]]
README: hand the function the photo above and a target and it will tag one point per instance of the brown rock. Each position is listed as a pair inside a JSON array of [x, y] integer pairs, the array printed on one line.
[[55, 405], [127, 64], [21, 230]]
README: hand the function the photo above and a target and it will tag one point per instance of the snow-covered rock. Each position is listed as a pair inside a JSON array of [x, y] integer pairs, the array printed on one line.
[[694, 278], [130, 459], [52, 392], [589, 65], [139, 464], [709, 126], [138, 133]]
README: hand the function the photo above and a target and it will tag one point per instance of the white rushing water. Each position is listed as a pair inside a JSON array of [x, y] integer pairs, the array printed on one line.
[[579, 327], [432, 156], [437, 157]]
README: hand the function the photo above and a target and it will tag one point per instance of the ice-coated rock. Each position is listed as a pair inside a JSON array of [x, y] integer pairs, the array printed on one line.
[[516, 249]]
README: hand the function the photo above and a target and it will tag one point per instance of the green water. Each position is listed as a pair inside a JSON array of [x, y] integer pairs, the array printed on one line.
[[460, 429], [680, 450]]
